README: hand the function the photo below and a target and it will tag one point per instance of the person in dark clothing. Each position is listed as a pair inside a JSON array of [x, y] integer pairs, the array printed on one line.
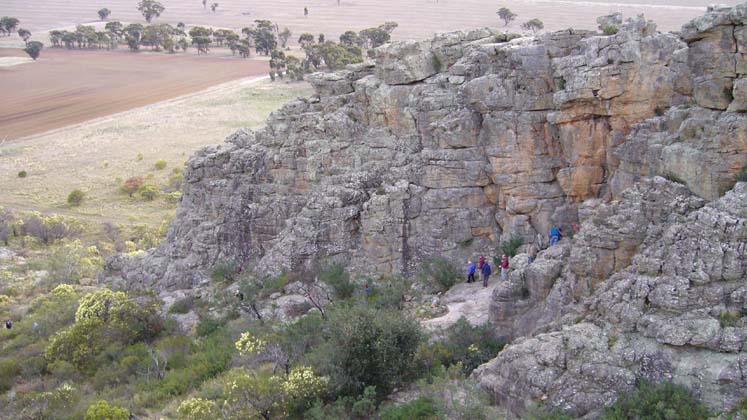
[[305, 12], [486, 271], [8, 324], [240, 295], [470, 272]]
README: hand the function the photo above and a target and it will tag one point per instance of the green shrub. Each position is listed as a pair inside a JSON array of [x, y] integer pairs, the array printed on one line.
[[421, 408], [103, 411], [224, 271], [148, 192], [160, 164], [610, 29], [338, 279], [22, 174], [738, 410], [672, 177], [742, 174], [439, 272], [463, 344], [75, 198], [538, 412], [208, 325], [139, 157], [510, 247], [172, 197], [366, 346], [664, 401], [182, 306], [729, 319], [9, 369]]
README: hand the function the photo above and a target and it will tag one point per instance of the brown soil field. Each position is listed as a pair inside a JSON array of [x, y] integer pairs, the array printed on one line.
[[70, 86], [417, 18]]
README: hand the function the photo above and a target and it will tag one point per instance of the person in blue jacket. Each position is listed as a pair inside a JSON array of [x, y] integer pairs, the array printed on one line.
[[554, 235], [486, 271], [471, 272]]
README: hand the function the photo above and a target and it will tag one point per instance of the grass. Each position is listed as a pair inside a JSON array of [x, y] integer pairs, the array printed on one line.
[[171, 131]]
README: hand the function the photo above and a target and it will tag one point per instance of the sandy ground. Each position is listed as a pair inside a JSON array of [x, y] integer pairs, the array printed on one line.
[[97, 155], [417, 18], [65, 87]]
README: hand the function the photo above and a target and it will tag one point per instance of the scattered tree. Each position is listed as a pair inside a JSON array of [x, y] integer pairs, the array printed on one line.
[[213, 7], [284, 36], [533, 25], [25, 34], [506, 15], [103, 411], [8, 25], [104, 13], [150, 9], [33, 49]]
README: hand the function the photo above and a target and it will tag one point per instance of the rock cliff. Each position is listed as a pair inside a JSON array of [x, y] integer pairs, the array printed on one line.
[[447, 146]]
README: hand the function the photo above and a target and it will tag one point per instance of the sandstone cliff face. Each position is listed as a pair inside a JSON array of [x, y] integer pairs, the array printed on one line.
[[443, 147]]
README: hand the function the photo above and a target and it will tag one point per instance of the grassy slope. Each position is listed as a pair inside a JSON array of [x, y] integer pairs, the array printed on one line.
[[92, 156]]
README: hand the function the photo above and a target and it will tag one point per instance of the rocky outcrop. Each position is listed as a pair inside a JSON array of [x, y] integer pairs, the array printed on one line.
[[676, 312], [443, 147]]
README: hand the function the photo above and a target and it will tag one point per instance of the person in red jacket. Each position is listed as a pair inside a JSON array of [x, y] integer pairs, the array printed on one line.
[[481, 262], [504, 267]]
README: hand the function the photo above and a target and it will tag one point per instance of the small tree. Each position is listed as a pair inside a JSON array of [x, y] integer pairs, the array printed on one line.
[[533, 25], [25, 34], [104, 13], [132, 185], [213, 7], [33, 49], [284, 36], [150, 9], [8, 24], [75, 198], [506, 15]]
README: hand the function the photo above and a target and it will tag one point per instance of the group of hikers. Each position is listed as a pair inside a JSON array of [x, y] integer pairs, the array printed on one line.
[[486, 270], [554, 235]]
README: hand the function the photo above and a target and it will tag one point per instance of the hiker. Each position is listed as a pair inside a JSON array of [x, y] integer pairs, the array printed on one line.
[[367, 290], [305, 11], [554, 235], [240, 295], [532, 253], [481, 262], [485, 270], [471, 272], [8, 324], [504, 267]]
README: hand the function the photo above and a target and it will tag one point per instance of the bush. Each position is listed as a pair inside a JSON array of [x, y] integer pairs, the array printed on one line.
[[463, 344], [511, 246], [369, 347], [742, 174], [439, 272], [9, 369], [422, 408], [664, 401], [182, 306], [224, 271], [75, 198], [132, 185], [103, 411], [148, 192], [728, 319], [610, 29], [139, 157], [160, 164], [339, 280], [22, 174], [198, 409], [538, 412]]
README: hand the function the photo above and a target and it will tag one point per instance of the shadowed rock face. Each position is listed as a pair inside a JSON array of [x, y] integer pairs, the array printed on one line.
[[442, 147]]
